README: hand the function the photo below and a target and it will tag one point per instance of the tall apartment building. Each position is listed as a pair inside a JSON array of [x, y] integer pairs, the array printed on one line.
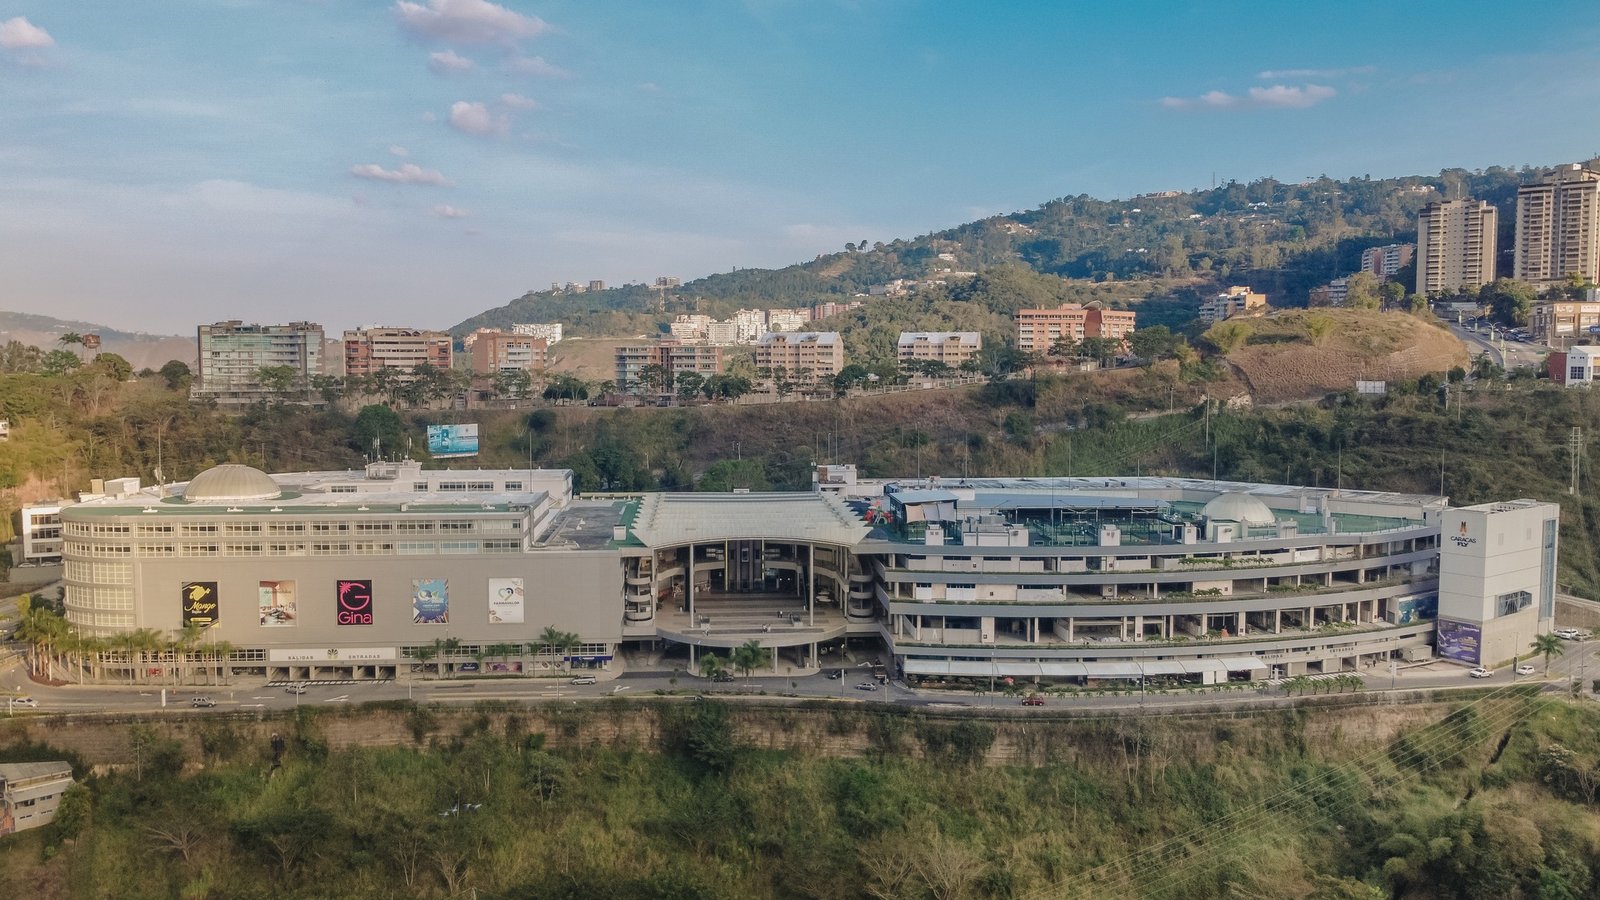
[[1456, 245], [1558, 226], [1235, 301], [949, 347], [1039, 329], [1383, 262], [232, 355], [497, 351], [819, 352], [550, 332], [1334, 293], [688, 327], [673, 355], [366, 350], [749, 325]]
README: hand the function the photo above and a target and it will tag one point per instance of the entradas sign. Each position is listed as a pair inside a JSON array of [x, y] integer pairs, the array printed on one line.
[[333, 655]]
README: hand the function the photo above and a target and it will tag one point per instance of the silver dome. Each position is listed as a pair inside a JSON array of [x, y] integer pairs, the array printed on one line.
[[231, 483], [1237, 506]]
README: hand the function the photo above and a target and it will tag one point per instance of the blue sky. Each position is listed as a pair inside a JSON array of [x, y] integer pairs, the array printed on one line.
[[168, 162]]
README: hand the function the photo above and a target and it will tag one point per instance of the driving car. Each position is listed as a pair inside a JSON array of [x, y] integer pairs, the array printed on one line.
[[27, 702], [583, 679], [1033, 700], [722, 676], [836, 675], [866, 686], [1525, 669], [295, 689], [203, 702], [1480, 672]]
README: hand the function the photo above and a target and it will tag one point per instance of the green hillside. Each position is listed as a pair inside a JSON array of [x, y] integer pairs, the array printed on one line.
[[1280, 238]]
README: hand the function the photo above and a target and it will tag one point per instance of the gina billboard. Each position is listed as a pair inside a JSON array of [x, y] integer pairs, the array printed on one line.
[[353, 600]]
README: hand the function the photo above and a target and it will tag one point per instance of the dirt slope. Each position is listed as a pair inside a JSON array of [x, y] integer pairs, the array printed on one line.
[[1301, 353]]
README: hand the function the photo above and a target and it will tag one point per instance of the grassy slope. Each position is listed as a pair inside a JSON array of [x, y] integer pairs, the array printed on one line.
[[1375, 800]]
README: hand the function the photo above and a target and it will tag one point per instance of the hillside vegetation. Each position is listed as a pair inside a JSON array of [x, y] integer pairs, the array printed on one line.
[[1493, 798], [1293, 354]]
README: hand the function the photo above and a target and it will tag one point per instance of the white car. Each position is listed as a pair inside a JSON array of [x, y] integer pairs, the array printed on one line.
[[1525, 669], [1566, 634], [25, 702], [1480, 672], [583, 679]]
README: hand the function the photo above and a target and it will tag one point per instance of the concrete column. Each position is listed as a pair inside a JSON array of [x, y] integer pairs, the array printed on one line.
[[691, 658], [1238, 624], [1070, 623], [811, 586], [1311, 617], [1122, 630], [1277, 621], [689, 584], [815, 659], [1138, 628]]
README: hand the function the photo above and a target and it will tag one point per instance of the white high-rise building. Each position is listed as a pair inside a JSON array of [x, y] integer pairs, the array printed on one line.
[[232, 355], [549, 332]]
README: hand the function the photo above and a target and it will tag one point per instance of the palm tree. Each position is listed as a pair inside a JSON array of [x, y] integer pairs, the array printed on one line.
[[448, 648], [425, 655], [222, 652], [750, 656], [185, 642], [1549, 645], [711, 664]]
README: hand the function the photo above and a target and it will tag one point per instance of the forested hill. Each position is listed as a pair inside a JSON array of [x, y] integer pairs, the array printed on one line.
[[1279, 237]]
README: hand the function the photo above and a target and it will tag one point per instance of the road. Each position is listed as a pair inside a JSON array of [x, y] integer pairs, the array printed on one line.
[[1504, 352], [1576, 662]]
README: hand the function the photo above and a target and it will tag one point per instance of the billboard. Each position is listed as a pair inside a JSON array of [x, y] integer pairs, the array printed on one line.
[[453, 440], [1459, 641], [505, 601], [430, 601], [277, 605], [353, 601], [199, 603]]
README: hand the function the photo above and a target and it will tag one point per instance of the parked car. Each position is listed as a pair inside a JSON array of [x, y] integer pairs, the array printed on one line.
[[1525, 669], [1480, 672], [25, 702], [295, 689], [866, 686], [1033, 700], [583, 679], [203, 702]]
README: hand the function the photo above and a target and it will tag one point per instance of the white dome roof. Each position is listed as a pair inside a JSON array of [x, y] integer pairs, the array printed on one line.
[[231, 483], [1237, 506]]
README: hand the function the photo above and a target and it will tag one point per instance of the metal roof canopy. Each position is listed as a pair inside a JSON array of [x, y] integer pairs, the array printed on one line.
[[967, 668], [671, 519], [1071, 502]]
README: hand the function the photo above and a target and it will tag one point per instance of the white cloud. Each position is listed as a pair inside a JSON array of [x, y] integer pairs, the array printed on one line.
[[20, 34], [409, 173], [448, 62], [397, 150], [536, 65], [1286, 74], [517, 101], [1293, 97], [445, 211], [475, 118], [1277, 96], [650, 87], [467, 21]]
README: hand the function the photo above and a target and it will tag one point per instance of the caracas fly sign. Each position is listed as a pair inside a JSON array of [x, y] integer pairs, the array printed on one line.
[[199, 603]]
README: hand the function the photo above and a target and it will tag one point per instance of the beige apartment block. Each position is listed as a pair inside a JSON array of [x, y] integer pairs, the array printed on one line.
[[1456, 245], [949, 347], [1558, 227], [821, 353], [366, 350], [498, 351], [1039, 329]]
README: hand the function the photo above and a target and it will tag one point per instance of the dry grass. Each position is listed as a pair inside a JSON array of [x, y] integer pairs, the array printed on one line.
[[592, 359], [1281, 362]]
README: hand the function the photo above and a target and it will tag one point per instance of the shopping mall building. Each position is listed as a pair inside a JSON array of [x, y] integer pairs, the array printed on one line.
[[362, 574]]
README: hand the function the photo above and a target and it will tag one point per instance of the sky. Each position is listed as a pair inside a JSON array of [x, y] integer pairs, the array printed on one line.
[[165, 163]]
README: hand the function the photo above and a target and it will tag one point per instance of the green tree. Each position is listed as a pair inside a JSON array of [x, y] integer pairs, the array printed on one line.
[[176, 375], [1548, 645], [1362, 291], [750, 656], [279, 380], [728, 474], [711, 664], [688, 385], [59, 362], [1510, 302], [378, 427], [512, 384], [851, 376]]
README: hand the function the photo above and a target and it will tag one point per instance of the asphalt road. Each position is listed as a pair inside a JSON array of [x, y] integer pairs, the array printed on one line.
[[1506, 353], [1577, 661]]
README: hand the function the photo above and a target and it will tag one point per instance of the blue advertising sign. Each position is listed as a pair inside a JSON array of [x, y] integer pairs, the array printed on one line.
[[453, 440], [1460, 641]]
